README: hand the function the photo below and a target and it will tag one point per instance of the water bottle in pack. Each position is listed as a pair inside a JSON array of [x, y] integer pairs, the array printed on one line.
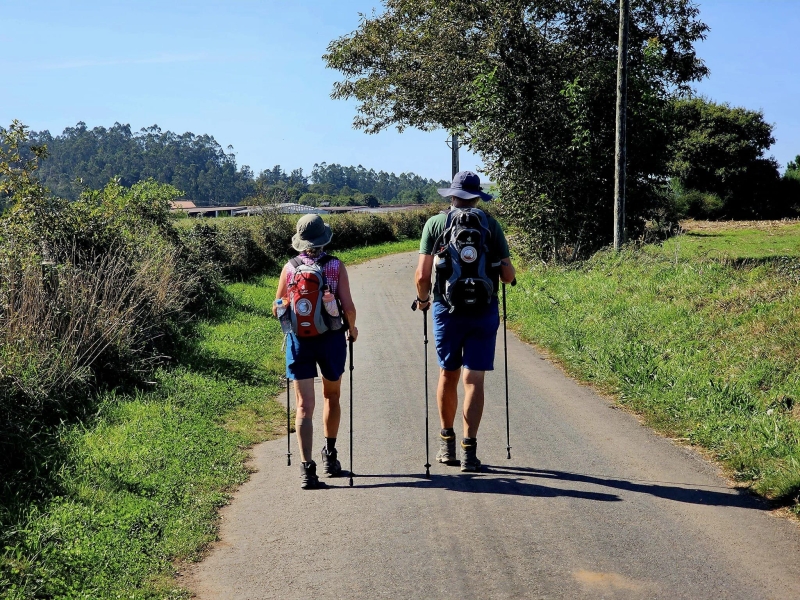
[[329, 301], [282, 309]]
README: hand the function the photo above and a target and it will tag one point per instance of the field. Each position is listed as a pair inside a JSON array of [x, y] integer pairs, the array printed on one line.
[[699, 335]]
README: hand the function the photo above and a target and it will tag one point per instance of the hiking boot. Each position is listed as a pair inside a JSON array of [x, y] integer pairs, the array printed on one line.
[[447, 449], [308, 476], [331, 467], [469, 459]]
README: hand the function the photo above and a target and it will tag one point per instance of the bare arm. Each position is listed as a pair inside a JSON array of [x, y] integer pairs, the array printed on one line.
[[281, 291], [423, 280], [346, 298], [507, 271]]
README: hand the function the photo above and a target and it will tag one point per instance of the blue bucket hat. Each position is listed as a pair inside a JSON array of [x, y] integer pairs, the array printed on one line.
[[466, 185]]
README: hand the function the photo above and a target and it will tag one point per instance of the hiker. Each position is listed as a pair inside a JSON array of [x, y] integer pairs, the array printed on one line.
[[471, 256], [316, 339]]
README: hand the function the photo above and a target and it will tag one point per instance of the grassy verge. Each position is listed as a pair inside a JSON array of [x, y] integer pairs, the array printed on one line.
[[701, 336], [142, 481]]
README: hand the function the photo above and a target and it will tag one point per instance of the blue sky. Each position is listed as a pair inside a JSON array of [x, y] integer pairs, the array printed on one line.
[[250, 74]]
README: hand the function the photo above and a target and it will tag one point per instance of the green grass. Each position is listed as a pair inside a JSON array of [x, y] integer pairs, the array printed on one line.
[[142, 481], [701, 336], [737, 240]]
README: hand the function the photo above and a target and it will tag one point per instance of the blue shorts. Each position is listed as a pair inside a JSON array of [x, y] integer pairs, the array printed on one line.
[[463, 340], [328, 350]]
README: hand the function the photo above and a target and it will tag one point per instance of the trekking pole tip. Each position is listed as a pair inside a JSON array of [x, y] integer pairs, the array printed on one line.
[[288, 460], [509, 452], [351, 481]]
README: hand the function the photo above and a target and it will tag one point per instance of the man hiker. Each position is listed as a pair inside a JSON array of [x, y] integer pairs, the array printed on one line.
[[316, 286], [470, 254]]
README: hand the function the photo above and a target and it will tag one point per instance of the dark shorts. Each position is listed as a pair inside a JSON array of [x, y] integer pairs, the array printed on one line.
[[328, 350], [463, 340]]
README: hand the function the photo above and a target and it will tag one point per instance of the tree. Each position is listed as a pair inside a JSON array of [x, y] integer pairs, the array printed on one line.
[[793, 168], [718, 150], [790, 188], [531, 87], [82, 158], [20, 188], [371, 201], [387, 187]]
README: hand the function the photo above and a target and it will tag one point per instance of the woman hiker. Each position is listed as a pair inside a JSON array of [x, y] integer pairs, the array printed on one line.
[[306, 351]]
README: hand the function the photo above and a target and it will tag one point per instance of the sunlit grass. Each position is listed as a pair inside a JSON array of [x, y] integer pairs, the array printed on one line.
[[701, 337]]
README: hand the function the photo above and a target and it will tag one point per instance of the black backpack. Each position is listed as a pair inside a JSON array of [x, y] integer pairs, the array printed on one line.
[[465, 275]]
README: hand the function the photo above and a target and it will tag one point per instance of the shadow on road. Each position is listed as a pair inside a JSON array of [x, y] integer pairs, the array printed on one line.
[[522, 481], [667, 490], [484, 483]]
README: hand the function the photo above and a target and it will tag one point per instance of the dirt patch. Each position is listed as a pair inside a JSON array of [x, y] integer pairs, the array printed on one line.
[[710, 226]]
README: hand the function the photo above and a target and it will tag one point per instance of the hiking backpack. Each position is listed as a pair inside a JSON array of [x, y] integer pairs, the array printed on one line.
[[308, 315], [464, 271]]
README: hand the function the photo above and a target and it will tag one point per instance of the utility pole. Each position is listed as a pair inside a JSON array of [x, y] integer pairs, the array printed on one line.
[[620, 151], [454, 147]]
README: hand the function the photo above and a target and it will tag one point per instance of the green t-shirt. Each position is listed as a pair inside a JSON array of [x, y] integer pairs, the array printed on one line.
[[498, 245]]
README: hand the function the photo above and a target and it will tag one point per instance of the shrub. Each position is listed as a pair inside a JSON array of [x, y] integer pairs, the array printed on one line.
[[409, 225], [700, 205], [236, 248], [90, 293], [66, 327]]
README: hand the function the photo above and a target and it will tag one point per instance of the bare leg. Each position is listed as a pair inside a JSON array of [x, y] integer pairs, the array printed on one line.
[[473, 401], [331, 410], [304, 392], [447, 396]]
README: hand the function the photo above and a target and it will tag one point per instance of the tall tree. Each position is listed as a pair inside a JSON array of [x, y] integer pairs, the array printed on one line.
[[719, 149], [530, 85]]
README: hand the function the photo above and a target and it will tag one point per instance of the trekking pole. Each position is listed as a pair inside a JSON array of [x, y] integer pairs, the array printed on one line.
[[351, 412], [288, 427], [505, 352], [425, 338]]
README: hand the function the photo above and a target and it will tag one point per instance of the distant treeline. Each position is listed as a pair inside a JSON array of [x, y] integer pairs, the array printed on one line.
[[81, 158]]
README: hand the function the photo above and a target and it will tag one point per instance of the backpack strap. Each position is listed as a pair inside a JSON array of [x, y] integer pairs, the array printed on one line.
[[494, 265], [325, 260], [441, 241], [298, 262]]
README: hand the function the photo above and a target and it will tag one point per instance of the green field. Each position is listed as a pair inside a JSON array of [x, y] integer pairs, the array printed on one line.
[[699, 335], [737, 240], [142, 482]]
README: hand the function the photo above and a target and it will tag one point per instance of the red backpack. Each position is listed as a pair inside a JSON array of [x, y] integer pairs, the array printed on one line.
[[308, 315]]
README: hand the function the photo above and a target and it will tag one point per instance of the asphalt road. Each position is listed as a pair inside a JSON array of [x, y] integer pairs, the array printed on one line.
[[591, 505]]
